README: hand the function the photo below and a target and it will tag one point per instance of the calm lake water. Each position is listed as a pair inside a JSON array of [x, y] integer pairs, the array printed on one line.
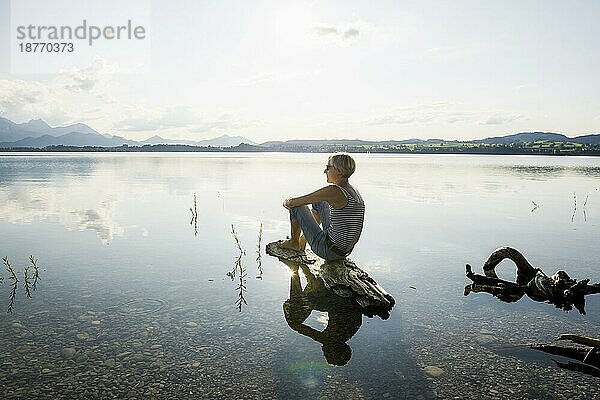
[[133, 303]]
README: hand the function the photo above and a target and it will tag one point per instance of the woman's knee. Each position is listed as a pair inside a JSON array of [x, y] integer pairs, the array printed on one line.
[[319, 207], [295, 211]]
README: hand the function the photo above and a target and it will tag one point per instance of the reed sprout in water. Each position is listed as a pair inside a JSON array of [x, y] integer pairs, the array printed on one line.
[[28, 285], [258, 254], [194, 220], [535, 206], [12, 276], [574, 207], [27, 282], [36, 271], [220, 195], [583, 207], [239, 271], [10, 269]]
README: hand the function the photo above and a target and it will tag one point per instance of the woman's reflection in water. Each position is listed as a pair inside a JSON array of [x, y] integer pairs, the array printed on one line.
[[344, 316]]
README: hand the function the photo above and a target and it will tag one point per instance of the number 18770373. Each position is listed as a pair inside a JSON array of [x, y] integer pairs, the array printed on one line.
[[46, 47]]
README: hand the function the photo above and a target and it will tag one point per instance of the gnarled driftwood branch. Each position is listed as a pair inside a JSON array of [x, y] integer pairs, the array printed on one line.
[[588, 357], [559, 289]]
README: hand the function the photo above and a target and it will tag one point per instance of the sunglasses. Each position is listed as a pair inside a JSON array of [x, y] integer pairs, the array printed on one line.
[[327, 167]]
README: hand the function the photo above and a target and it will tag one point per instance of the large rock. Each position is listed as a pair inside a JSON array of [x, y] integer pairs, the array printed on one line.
[[68, 352], [343, 277]]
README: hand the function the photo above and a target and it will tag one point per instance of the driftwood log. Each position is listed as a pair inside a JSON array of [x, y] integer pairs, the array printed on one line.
[[588, 357], [342, 277], [559, 289]]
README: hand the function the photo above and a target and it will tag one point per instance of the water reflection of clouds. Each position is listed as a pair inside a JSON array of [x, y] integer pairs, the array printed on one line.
[[534, 172], [459, 185], [67, 205], [269, 225], [94, 221], [377, 265], [588, 171], [546, 172]]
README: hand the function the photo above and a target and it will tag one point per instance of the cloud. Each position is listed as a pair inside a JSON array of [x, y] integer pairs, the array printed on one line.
[[61, 99], [525, 86], [225, 122], [439, 113], [23, 100], [178, 116], [259, 78], [181, 117], [337, 34], [325, 30], [84, 94], [88, 78], [138, 124], [421, 113], [432, 50], [501, 119], [389, 120], [350, 33], [264, 77]]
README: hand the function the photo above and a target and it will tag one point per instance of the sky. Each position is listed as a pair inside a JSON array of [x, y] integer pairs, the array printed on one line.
[[280, 70]]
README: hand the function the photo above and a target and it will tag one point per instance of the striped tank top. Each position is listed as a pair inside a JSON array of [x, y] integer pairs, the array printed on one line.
[[347, 222]]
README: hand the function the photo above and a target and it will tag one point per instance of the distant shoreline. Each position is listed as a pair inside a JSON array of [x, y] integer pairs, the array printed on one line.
[[552, 149]]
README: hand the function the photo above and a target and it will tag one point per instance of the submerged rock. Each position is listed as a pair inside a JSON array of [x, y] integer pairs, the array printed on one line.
[[68, 352], [433, 371]]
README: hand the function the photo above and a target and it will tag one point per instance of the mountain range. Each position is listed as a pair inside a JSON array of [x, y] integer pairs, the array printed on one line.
[[523, 137], [38, 134]]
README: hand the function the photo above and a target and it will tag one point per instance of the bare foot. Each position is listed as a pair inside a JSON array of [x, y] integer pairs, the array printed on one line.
[[290, 244], [302, 242]]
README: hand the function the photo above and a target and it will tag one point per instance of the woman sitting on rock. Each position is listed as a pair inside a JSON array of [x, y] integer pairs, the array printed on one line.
[[338, 208]]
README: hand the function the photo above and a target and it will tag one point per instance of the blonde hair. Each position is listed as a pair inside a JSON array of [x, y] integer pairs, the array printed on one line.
[[343, 163]]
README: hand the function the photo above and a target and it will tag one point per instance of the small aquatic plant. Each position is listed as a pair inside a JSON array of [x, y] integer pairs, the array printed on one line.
[[28, 285], [583, 207], [194, 220], [240, 271], [220, 195], [13, 277], [27, 282], [535, 206], [258, 253], [36, 271], [574, 207], [10, 269]]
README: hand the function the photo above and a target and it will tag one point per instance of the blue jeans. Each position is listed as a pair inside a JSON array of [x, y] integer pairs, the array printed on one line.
[[315, 236]]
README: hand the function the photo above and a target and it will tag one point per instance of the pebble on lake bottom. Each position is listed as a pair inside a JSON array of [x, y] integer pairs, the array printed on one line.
[[433, 371], [68, 352]]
